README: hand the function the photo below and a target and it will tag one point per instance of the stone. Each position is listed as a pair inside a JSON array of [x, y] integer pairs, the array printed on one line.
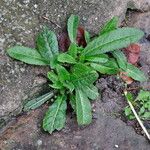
[[143, 5], [20, 25], [17, 77], [104, 133]]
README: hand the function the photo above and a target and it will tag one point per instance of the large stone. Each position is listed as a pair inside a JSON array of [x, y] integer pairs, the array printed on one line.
[[20, 21], [142, 5], [18, 81], [105, 133]]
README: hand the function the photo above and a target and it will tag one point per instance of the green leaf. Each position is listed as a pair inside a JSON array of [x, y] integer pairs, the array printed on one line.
[[81, 69], [35, 103], [53, 62], [109, 67], [129, 97], [72, 50], [142, 110], [91, 91], [116, 39], [55, 117], [102, 58], [128, 111], [64, 78], [121, 59], [146, 115], [143, 95], [83, 108], [110, 25], [52, 76], [84, 74], [27, 55], [47, 44], [80, 49], [73, 22], [69, 85], [63, 74], [57, 85], [66, 58], [135, 73], [87, 36], [147, 105], [73, 102], [131, 117]]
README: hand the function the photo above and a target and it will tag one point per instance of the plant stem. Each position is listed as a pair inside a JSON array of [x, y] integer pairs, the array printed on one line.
[[137, 117]]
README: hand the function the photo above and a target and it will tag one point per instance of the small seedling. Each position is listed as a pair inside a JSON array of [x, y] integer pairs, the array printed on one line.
[[143, 97], [141, 104], [73, 73]]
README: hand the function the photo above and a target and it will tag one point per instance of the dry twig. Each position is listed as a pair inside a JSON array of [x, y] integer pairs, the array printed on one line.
[[51, 21]]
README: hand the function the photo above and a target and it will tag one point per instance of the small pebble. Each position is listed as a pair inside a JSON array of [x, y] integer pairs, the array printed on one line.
[[52, 100], [22, 69], [26, 1], [35, 6], [116, 146], [39, 142], [96, 18], [84, 18]]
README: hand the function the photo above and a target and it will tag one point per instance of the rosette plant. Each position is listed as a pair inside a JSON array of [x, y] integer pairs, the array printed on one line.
[[73, 73]]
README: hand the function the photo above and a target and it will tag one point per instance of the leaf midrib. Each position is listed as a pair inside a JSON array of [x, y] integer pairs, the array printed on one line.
[[29, 56], [86, 76], [81, 105], [99, 65], [48, 95], [130, 71], [100, 47], [90, 89], [54, 118], [48, 45]]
